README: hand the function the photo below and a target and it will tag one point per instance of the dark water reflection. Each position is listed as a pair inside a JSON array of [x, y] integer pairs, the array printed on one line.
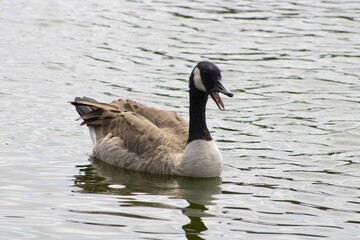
[[102, 178]]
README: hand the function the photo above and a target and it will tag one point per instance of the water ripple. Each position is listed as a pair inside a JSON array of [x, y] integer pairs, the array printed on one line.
[[289, 138]]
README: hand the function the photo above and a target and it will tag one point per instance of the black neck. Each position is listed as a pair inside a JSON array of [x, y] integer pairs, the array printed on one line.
[[198, 128]]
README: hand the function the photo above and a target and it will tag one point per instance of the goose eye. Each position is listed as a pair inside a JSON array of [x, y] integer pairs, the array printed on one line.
[[205, 73]]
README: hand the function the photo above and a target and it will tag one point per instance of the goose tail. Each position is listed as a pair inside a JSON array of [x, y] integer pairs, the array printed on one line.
[[85, 109]]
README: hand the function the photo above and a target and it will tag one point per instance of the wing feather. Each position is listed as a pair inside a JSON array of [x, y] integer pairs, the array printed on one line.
[[142, 129], [170, 122]]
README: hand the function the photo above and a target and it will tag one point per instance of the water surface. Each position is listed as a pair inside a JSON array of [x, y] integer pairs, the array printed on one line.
[[290, 137]]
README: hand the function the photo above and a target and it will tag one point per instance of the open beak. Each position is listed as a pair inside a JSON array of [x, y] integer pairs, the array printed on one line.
[[215, 94]]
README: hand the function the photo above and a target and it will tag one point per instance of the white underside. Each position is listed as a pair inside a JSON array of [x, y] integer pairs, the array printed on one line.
[[201, 158], [92, 134]]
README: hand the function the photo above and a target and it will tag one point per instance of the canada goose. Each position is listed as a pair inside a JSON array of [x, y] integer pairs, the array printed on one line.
[[134, 136]]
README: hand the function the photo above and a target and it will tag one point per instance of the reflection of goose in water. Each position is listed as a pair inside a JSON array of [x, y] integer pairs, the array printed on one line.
[[100, 177], [134, 136]]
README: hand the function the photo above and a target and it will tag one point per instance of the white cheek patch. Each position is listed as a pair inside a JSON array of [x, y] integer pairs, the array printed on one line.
[[197, 80]]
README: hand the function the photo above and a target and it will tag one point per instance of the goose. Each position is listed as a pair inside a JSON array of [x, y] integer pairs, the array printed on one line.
[[134, 136]]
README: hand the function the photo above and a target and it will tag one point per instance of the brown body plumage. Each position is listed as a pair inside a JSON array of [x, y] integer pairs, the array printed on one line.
[[136, 133]]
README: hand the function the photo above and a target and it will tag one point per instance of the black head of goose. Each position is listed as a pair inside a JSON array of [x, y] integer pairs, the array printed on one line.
[[138, 137]]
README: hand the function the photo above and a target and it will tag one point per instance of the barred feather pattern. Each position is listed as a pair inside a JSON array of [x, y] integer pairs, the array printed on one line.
[[135, 136]]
